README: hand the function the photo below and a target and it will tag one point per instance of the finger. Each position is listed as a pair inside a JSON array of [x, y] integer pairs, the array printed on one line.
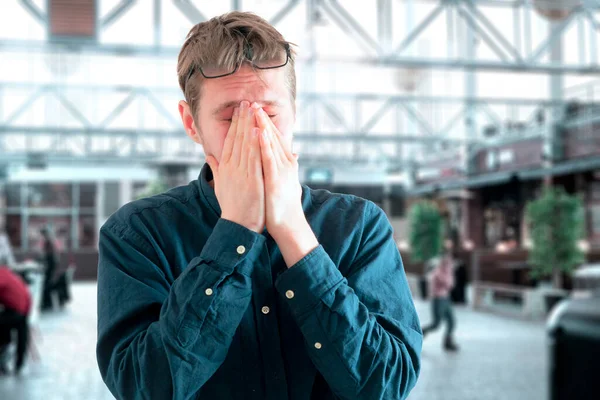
[[230, 138], [268, 124], [276, 148], [265, 124], [247, 138], [268, 158], [261, 119], [254, 158], [241, 125]]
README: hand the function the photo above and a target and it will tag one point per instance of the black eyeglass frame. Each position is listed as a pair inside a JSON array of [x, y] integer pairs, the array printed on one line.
[[248, 57]]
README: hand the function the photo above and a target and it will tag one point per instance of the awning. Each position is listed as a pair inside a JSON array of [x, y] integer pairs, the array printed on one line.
[[429, 188], [497, 178], [564, 168]]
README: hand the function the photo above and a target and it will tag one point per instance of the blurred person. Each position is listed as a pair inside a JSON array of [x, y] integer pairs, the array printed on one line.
[[245, 284], [49, 258], [15, 305], [61, 282], [6, 254], [441, 283]]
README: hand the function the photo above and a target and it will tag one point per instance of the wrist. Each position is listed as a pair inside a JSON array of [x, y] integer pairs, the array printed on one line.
[[295, 242], [253, 227], [292, 226]]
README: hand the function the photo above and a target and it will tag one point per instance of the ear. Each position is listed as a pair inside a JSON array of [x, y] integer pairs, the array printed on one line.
[[187, 118]]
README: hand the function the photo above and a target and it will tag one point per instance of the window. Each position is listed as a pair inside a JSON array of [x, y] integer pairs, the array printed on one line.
[[87, 195], [13, 229], [51, 195], [60, 227], [495, 225], [87, 232], [13, 195], [595, 191]]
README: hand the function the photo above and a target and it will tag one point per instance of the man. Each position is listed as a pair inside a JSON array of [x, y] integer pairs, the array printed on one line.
[[50, 259], [245, 284], [442, 282], [15, 304]]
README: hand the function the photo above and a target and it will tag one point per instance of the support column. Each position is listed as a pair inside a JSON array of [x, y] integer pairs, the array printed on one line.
[[471, 132], [125, 192], [410, 126], [556, 81]]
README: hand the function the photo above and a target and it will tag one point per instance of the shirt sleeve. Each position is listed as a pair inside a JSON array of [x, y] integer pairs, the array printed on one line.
[[159, 339], [362, 331]]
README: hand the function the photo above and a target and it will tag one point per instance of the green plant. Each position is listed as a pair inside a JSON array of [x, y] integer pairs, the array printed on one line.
[[426, 230], [556, 220], [155, 187]]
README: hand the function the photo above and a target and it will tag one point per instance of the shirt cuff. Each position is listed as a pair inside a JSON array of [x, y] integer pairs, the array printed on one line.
[[304, 284], [230, 245]]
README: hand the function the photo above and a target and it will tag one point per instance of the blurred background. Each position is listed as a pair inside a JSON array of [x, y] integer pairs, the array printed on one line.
[[472, 123]]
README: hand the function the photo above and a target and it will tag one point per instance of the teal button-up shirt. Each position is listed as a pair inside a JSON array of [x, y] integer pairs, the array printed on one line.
[[192, 306]]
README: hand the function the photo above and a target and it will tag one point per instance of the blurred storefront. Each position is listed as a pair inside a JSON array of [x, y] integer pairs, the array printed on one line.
[[72, 206], [502, 178]]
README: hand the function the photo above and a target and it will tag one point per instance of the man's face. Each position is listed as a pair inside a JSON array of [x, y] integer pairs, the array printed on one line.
[[220, 96]]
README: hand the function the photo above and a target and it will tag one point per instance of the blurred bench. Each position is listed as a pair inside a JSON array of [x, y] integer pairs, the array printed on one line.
[[507, 299]]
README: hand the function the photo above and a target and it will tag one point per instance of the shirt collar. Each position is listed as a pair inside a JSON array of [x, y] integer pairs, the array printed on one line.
[[208, 193]]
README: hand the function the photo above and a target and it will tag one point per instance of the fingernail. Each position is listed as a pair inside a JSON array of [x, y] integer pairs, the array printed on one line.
[[244, 104], [265, 134], [250, 112], [255, 132], [255, 105], [236, 112]]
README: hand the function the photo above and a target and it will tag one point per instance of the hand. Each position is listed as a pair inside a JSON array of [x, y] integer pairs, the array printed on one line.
[[283, 192], [285, 217], [239, 184]]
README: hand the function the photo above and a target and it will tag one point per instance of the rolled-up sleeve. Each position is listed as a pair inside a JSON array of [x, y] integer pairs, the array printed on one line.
[[362, 330], [161, 339]]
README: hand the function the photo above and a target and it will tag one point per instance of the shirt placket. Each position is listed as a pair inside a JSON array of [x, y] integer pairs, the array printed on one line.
[[268, 330]]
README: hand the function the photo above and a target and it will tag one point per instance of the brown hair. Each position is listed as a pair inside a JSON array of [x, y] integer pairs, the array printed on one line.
[[222, 41]]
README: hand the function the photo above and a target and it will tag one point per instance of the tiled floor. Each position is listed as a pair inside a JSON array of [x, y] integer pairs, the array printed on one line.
[[499, 359]]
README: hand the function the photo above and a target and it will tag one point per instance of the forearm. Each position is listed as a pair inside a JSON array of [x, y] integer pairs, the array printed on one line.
[[295, 241], [155, 346], [360, 353], [175, 356]]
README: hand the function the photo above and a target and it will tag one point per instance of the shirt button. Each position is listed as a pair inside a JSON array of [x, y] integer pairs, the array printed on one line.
[[289, 294], [318, 346], [241, 249], [265, 310], [208, 292]]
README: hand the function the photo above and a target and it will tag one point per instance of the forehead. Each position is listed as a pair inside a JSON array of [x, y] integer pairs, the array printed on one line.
[[246, 84]]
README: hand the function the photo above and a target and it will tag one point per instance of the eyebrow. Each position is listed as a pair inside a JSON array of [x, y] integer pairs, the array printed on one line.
[[234, 103]]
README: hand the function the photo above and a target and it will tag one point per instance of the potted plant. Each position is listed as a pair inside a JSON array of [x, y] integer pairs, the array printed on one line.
[[425, 238], [556, 220]]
